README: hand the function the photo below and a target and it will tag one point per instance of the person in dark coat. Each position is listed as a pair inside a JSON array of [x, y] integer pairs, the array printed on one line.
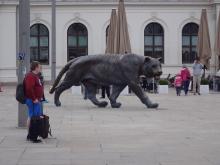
[[41, 77], [105, 89], [144, 83]]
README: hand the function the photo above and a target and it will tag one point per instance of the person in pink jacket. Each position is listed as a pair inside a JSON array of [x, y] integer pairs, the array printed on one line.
[[178, 84], [186, 76]]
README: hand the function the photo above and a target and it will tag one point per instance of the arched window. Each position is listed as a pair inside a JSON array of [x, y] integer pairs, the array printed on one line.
[[154, 41], [77, 43], [189, 42], [39, 43]]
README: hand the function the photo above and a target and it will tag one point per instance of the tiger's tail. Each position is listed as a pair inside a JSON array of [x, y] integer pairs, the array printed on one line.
[[60, 75]]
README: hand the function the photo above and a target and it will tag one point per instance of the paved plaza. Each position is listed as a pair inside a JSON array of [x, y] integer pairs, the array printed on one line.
[[183, 131]]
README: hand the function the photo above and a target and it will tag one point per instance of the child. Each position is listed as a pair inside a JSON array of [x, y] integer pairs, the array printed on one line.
[[178, 84]]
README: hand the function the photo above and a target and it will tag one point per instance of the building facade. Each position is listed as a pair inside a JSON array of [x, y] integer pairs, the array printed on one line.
[[157, 28]]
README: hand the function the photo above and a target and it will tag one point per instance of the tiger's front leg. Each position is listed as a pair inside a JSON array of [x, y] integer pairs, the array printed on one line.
[[142, 96]]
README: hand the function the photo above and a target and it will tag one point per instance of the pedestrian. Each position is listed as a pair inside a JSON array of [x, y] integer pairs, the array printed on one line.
[[178, 84], [85, 92], [41, 77], [33, 94], [197, 73], [144, 82], [186, 76], [150, 84], [105, 89]]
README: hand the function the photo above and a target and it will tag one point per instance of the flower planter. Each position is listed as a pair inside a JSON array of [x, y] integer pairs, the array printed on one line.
[[76, 90], [163, 89], [204, 89]]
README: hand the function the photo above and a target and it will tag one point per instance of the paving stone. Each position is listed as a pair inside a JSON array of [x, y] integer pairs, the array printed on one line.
[[184, 130], [10, 156], [34, 161]]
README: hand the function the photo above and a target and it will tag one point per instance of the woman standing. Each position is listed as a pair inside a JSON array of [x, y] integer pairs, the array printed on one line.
[[33, 94], [186, 76]]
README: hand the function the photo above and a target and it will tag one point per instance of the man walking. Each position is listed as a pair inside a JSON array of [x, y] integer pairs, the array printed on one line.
[[33, 93], [197, 72]]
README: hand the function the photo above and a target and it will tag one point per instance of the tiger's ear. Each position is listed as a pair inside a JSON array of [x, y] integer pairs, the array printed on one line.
[[160, 59], [147, 59]]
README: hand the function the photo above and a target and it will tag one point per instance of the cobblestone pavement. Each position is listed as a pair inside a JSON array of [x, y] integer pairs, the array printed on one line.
[[183, 131]]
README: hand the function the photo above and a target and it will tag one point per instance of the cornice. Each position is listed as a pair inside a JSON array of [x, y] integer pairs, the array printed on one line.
[[115, 2]]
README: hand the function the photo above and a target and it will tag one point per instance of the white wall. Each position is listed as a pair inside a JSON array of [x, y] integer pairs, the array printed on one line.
[[96, 19], [7, 43]]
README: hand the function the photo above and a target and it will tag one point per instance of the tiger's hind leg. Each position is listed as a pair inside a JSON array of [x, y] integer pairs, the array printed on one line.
[[71, 79], [59, 90], [116, 90], [91, 87]]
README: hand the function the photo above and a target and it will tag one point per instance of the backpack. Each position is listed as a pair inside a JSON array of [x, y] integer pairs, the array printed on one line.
[[39, 127], [20, 93], [35, 127], [45, 127]]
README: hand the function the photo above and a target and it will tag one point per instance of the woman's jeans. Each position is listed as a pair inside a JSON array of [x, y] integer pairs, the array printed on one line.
[[34, 109], [186, 86]]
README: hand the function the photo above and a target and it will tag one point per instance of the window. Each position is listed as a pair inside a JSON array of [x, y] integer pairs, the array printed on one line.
[[39, 43], [77, 42], [189, 43], [154, 41]]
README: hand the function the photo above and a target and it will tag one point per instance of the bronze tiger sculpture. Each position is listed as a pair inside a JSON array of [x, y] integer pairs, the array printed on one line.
[[116, 70]]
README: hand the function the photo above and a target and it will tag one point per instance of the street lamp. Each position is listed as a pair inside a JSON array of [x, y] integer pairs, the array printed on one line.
[[23, 54], [53, 55]]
